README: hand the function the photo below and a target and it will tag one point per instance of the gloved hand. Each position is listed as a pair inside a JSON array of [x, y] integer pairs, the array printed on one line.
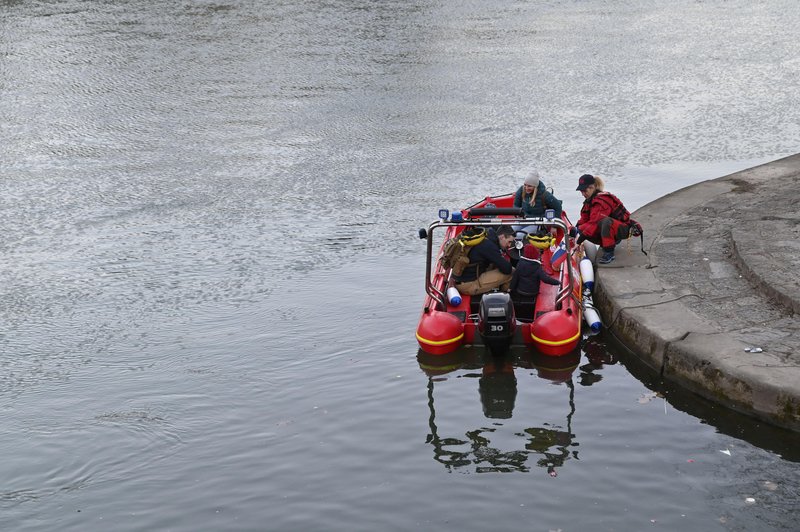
[[576, 234]]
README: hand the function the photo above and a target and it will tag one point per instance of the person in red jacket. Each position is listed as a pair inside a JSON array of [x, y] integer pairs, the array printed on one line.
[[604, 219]]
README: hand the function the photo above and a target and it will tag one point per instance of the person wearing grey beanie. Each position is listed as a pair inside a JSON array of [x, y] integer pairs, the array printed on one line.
[[532, 180], [533, 197]]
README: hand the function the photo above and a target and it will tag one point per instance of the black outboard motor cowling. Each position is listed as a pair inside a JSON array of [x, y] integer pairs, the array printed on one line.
[[496, 321]]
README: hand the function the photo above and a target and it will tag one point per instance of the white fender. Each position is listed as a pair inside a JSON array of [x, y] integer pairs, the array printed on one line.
[[453, 296], [591, 315], [590, 250], [587, 273]]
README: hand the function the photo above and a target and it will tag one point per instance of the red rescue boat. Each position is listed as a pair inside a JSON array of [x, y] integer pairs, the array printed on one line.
[[553, 327]]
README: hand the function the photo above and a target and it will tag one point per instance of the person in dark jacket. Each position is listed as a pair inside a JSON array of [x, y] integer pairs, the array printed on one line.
[[534, 198], [488, 268], [526, 278]]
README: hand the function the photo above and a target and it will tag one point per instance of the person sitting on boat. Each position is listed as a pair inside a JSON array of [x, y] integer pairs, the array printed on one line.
[[488, 268], [534, 199], [604, 219], [527, 276]]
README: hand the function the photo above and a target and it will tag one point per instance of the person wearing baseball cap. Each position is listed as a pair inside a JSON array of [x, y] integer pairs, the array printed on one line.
[[587, 180], [604, 219]]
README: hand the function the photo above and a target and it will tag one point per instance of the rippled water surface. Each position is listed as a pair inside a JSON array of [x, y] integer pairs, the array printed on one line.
[[209, 276]]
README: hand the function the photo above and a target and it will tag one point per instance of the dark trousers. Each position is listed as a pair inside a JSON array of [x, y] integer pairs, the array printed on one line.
[[611, 232], [525, 306]]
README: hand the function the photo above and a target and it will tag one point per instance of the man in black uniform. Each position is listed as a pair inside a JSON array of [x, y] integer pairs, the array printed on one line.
[[488, 268]]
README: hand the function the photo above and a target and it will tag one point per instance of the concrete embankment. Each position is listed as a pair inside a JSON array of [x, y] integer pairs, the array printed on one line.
[[715, 305]]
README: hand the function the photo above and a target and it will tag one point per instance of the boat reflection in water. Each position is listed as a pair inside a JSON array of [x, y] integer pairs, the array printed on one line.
[[548, 445]]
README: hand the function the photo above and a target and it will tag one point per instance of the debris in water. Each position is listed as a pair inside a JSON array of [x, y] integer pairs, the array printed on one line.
[[750, 500], [726, 451], [647, 397], [771, 486], [753, 350]]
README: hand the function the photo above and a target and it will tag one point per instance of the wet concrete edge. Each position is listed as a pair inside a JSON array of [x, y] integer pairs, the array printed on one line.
[[688, 349]]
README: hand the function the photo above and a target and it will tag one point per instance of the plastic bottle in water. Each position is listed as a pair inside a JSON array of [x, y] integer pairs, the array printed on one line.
[[453, 296]]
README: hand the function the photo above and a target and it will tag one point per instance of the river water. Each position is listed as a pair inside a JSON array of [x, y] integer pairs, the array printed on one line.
[[210, 279]]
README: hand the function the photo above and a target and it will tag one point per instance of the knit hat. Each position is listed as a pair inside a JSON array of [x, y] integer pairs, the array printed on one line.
[[531, 252], [533, 179]]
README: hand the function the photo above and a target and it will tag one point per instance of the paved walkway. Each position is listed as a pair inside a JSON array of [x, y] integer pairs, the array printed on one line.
[[722, 277]]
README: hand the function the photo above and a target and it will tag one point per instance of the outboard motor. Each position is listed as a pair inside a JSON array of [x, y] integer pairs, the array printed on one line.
[[496, 321]]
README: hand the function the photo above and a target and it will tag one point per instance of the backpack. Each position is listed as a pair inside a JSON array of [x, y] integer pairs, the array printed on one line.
[[455, 252]]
